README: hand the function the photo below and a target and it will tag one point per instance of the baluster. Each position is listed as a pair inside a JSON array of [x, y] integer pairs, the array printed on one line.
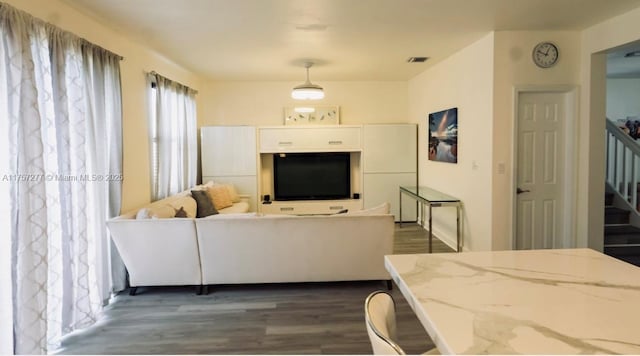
[[625, 183], [615, 165], [608, 150], [634, 182]]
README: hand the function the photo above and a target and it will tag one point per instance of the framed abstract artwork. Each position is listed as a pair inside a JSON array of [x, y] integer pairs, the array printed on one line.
[[443, 136]]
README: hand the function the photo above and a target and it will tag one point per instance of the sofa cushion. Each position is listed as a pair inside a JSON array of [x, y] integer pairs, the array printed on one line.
[[204, 205], [220, 196], [241, 207]]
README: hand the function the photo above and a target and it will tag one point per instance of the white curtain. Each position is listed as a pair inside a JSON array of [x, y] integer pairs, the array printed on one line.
[[173, 137], [63, 151]]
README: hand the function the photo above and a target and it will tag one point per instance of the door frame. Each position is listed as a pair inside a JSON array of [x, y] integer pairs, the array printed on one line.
[[571, 93]]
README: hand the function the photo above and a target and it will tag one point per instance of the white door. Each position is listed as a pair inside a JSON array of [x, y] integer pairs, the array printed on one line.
[[541, 125]]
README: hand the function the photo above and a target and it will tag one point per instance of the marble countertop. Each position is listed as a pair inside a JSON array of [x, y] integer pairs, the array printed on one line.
[[573, 301]]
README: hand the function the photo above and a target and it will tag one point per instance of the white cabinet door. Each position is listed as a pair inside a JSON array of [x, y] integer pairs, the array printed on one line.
[[385, 187], [390, 148], [228, 150], [304, 139], [389, 161], [228, 155]]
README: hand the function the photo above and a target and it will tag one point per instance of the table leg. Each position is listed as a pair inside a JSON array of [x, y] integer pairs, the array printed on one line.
[[458, 227], [400, 217], [430, 230]]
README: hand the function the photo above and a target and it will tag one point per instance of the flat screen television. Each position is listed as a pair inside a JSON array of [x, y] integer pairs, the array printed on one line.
[[312, 176]]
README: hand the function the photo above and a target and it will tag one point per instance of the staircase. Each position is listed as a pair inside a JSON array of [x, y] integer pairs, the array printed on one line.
[[621, 239], [622, 199]]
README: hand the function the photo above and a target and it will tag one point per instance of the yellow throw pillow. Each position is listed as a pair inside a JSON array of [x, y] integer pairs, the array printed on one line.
[[219, 195], [233, 193]]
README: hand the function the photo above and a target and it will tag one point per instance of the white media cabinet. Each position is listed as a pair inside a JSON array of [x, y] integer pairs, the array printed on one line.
[[382, 157], [308, 139], [310, 207]]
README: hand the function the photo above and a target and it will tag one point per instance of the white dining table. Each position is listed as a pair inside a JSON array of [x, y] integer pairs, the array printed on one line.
[[568, 301]]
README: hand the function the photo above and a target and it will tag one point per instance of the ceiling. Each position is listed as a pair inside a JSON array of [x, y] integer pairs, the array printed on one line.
[[347, 39], [620, 64]]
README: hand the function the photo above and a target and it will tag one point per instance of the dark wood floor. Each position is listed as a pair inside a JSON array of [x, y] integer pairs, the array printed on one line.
[[300, 318]]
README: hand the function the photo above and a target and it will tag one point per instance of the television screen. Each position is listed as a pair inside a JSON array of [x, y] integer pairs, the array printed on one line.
[[311, 176]]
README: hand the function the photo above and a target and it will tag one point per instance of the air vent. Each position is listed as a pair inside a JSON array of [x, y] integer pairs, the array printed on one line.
[[632, 54], [417, 59]]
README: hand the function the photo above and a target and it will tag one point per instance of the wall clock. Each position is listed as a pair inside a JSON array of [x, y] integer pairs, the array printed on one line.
[[545, 54]]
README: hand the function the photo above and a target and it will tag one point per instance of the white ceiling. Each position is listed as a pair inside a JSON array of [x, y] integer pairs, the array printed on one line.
[[620, 66], [348, 39]]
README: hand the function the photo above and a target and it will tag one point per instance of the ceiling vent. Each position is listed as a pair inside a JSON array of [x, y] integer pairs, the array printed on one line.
[[632, 54], [417, 59]]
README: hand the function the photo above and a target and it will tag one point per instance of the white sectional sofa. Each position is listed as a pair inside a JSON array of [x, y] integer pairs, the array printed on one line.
[[253, 248]]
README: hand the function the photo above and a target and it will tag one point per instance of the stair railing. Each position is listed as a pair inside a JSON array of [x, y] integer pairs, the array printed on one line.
[[623, 154]]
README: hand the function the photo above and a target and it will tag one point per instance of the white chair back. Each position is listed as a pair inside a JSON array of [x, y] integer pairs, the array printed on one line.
[[380, 317]]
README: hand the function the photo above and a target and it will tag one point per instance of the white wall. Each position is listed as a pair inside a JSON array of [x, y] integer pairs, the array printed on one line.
[[262, 103], [514, 68], [595, 41], [623, 98], [138, 59], [465, 81]]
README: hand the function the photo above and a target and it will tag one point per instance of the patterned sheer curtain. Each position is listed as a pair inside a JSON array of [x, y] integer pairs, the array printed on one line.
[[60, 113], [174, 146]]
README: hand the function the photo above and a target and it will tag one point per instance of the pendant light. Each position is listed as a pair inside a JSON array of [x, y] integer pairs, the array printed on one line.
[[308, 90]]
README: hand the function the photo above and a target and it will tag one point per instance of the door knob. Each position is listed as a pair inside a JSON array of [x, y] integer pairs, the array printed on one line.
[[520, 191]]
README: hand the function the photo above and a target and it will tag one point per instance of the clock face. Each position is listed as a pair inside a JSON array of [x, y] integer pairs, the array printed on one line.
[[545, 54]]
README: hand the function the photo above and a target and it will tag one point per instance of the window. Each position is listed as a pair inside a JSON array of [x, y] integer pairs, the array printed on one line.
[[173, 137]]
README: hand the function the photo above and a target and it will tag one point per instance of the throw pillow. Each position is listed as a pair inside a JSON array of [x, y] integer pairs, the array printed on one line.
[[205, 206], [143, 213], [188, 203], [162, 212], [181, 213], [220, 196], [233, 193]]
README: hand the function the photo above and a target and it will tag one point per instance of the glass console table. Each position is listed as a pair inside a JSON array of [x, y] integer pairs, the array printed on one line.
[[433, 198]]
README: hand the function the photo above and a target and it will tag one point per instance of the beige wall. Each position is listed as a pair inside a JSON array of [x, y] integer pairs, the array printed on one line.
[[137, 60], [623, 98], [465, 81], [514, 68], [262, 103], [479, 80], [595, 41]]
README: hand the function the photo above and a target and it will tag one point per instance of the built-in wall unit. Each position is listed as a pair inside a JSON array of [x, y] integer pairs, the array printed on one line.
[[228, 155], [310, 169], [314, 169], [390, 160]]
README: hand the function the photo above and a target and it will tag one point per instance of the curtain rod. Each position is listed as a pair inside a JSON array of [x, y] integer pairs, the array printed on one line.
[[104, 49], [51, 26], [153, 72]]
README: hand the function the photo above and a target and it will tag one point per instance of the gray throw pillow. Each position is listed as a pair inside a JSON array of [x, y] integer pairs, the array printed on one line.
[[205, 206]]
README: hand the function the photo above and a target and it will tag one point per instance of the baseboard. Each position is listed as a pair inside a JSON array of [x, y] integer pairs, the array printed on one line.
[[447, 240]]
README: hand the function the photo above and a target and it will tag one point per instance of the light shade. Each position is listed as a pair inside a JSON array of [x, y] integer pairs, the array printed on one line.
[[308, 90], [304, 110]]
